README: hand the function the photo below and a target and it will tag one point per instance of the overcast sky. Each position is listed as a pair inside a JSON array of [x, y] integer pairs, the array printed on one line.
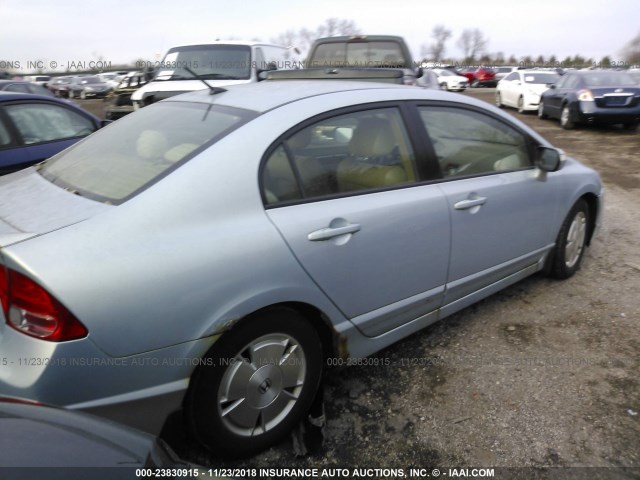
[[118, 31]]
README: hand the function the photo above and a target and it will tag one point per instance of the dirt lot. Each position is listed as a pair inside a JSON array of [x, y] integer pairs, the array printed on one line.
[[543, 374]]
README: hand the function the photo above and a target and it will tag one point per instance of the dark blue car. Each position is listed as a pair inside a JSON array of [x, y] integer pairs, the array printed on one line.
[[594, 96], [35, 127]]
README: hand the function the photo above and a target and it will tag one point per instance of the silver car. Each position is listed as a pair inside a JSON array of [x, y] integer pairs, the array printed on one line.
[[215, 251]]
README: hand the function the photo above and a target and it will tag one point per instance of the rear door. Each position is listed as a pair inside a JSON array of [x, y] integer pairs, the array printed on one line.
[[345, 193]]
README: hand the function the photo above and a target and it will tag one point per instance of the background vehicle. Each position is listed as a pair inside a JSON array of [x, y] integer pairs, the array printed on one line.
[[47, 437], [593, 96], [166, 204], [24, 87], [219, 64], [35, 127], [363, 51], [522, 89], [451, 81], [119, 101], [59, 86], [41, 80], [87, 87], [503, 71], [480, 77]]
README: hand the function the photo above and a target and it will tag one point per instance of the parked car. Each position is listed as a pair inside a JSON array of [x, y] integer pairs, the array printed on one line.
[[59, 86], [593, 96], [87, 87], [480, 77], [522, 89], [35, 127], [503, 71], [119, 101], [74, 445], [449, 80], [635, 74], [219, 64], [41, 80], [24, 87], [131, 263]]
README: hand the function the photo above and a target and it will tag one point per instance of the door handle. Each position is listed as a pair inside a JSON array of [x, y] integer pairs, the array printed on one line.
[[466, 204], [331, 232]]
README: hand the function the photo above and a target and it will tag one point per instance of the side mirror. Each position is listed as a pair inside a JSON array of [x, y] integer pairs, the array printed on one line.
[[549, 159], [552, 86], [262, 73]]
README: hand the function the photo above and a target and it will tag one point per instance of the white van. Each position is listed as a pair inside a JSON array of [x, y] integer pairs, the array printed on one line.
[[221, 63]]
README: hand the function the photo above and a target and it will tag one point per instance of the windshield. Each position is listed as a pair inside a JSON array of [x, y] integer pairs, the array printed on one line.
[[541, 78], [118, 162], [446, 73], [360, 54], [226, 62]]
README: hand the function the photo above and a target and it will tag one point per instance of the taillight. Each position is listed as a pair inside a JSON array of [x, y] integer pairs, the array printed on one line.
[[30, 309], [585, 95]]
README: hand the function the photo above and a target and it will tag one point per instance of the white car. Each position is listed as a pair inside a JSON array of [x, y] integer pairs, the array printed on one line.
[[522, 89], [450, 81]]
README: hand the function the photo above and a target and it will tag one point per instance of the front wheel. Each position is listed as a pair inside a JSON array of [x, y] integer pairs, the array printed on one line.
[[498, 100], [475, 83], [255, 384], [571, 242], [521, 105]]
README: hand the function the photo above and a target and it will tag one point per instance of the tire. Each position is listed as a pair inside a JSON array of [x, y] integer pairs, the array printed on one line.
[[83, 95], [255, 384], [521, 105], [475, 83], [499, 100], [565, 118], [571, 242], [541, 113], [70, 94], [631, 126]]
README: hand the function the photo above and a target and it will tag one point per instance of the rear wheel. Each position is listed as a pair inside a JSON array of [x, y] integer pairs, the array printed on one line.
[[571, 242], [257, 382], [565, 118]]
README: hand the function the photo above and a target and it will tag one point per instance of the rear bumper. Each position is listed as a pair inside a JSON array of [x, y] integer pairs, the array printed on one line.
[[589, 112], [139, 390]]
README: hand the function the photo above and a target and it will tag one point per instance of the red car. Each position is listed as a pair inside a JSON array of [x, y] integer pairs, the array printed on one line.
[[480, 77]]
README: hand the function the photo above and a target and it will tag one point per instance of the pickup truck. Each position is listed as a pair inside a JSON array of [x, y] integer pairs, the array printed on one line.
[[364, 52]]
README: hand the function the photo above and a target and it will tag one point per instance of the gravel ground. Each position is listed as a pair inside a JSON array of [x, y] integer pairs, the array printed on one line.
[[542, 374]]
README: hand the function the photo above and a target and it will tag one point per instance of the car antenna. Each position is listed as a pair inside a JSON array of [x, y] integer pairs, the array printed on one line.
[[212, 90]]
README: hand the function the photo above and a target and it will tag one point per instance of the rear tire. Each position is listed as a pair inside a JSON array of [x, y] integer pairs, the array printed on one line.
[[565, 118], [541, 113], [571, 242], [255, 383]]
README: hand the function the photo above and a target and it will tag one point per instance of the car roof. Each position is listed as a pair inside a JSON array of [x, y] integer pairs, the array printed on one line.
[[270, 94]]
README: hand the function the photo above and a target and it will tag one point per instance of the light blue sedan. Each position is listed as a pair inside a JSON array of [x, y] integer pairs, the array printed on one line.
[[213, 252]]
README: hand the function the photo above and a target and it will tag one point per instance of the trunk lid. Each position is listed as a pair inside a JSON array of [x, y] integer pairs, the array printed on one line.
[[30, 206]]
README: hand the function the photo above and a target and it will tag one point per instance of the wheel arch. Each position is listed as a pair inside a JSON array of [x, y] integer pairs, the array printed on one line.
[[332, 343], [592, 203]]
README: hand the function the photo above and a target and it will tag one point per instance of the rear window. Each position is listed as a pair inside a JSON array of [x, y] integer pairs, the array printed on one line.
[[359, 54], [120, 161]]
